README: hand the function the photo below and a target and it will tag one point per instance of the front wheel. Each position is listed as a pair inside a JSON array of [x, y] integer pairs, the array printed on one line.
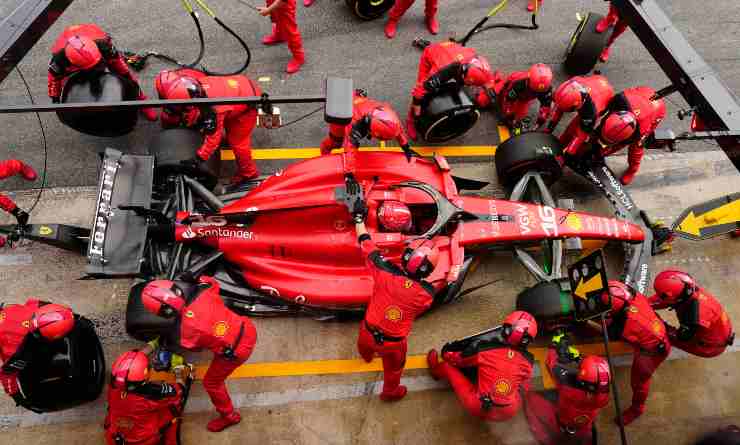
[[585, 46], [528, 152], [546, 302], [369, 9]]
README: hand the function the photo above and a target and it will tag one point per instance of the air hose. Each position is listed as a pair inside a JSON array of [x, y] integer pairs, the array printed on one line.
[[138, 61], [479, 27]]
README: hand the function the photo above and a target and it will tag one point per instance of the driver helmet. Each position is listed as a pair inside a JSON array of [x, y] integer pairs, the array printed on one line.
[[539, 78], [570, 96], [420, 258], [394, 216], [674, 286], [477, 71], [163, 298], [130, 370], [593, 374], [52, 321], [384, 124], [82, 52], [519, 328], [620, 295], [618, 127]]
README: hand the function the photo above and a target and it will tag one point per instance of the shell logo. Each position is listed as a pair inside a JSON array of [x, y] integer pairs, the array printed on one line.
[[633, 309], [220, 329], [26, 324], [657, 327], [394, 314], [510, 354], [407, 284], [574, 222], [232, 83], [502, 387], [2, 316]]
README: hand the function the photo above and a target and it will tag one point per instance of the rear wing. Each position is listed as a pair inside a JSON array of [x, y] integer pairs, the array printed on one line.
[[118, 237]]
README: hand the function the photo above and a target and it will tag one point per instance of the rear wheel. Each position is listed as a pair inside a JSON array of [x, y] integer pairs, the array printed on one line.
[[369, 9], [172, 149], [545, 301], [585, 46], [528, 152], [449, 115]]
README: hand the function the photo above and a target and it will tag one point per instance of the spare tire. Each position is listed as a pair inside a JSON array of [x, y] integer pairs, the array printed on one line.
[[369, 9], [173, 148], [448, 115], [526, 152], [86, 87], [547, 304], [585, 46], [142, 324]]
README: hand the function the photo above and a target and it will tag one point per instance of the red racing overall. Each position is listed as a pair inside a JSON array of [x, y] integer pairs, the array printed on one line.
[[570, 420], [206, 323], [401, 6], [237, 120], [60, 67], [396, 301], [649, 113], [286, 28], [515, 96], [612, 19], [340, 135], [705, 329], [599, 94], [640, 326], [503, 379], [145, 416], [9, 168], [15, 325]]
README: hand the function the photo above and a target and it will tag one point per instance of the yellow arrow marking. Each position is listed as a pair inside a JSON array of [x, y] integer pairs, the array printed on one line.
[[583, 289], [725, 214]]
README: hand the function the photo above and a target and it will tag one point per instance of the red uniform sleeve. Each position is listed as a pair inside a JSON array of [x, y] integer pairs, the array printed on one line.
[[425, 66], [577, 142], [213, 140]]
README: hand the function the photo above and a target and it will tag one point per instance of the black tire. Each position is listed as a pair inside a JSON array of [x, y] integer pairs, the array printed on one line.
[[447, 116], [528, 152], [545, 302], [142, 324], [171, 148], [585, 46], [369, 9], [84, 87]]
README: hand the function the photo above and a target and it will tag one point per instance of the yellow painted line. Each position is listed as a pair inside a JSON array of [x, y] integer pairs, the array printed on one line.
[[312, 152], [353, 366]]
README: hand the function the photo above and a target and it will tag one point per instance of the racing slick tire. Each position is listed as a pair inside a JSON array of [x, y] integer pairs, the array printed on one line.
[[448, 115], [173, 148], [526, 152], [585, 46], [86, 87], [142, 324], [369, 9], [65, 373], [551, 307]]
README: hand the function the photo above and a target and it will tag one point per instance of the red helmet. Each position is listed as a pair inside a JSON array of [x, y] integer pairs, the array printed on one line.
[[477, 71], [384, 124], [539, 78], [569, 96], [394, 216], [520, 328], [618, 127], [162, 298], [172, 85], [130, 369], [420, 258], [620, 295], [593, 375], [674, 286], [82, 52], [53, 321]]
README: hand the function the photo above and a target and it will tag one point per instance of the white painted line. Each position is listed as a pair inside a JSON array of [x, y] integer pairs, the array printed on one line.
[[21, 259]]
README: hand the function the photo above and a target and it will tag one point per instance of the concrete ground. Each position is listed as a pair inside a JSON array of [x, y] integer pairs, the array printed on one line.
[[689, 395]]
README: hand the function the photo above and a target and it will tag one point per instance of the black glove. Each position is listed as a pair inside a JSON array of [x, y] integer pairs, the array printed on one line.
[[355, 201], [360, 129], [55, 100], [359, 213], [21, 216], [409, 152]]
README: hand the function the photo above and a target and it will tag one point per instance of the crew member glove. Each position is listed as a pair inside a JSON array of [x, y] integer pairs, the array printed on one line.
[[177, 360], [154, 344], [21, 216], [162, 360], [10, 383]]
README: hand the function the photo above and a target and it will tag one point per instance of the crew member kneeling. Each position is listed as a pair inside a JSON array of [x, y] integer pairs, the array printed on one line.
[[705, 329], [582, 391], [517, 92], [237, 120], [399, 296], [21, 324], [139, 411], [86, 47], [9, 168], [441, 63], [205, 323], [504, 371]]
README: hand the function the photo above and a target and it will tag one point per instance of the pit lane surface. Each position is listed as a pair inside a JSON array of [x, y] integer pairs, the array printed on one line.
[[343, 408], [687, 396]]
